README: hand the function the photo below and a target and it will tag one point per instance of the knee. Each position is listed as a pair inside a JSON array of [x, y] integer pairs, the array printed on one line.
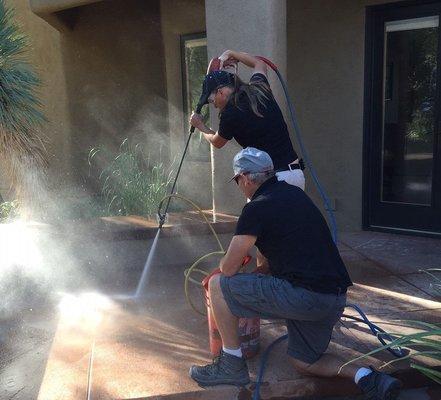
[[214, 285]]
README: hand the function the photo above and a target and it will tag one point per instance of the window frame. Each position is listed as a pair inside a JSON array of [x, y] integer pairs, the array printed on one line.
[[184, 90]]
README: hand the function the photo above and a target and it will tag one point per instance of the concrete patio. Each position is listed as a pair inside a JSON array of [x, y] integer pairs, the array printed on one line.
[[124, 349]]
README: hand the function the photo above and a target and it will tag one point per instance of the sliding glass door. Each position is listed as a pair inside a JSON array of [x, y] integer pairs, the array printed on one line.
[[402, 154]]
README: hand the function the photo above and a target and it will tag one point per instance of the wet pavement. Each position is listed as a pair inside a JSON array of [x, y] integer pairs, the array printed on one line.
[[126, 349]]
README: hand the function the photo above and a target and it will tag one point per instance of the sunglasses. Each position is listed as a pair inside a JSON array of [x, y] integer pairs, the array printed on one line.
[[236, 178]]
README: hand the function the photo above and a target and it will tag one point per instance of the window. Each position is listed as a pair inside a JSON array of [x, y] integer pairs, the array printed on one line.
[[194, 65]]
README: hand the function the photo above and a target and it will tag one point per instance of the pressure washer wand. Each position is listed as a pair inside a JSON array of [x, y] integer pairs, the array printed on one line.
[[163, 216]]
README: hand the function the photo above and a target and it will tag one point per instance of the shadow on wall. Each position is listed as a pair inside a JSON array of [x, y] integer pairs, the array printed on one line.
[[116, 83], [115, 72]]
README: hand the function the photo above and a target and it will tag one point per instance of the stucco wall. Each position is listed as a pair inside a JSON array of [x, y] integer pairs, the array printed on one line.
[[45, 55], [257, 27], [326, 82], [114, 65], [182, 17]]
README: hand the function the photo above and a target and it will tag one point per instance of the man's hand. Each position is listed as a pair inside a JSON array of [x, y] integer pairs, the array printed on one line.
[[262, 264], [197, 122], [239, 248]]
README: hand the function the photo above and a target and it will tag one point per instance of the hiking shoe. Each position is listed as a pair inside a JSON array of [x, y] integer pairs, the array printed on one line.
[[379, 386], [225, 370]]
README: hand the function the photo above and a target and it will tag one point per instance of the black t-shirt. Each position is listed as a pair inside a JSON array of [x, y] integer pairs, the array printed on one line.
[[268, 133], [293, 235]]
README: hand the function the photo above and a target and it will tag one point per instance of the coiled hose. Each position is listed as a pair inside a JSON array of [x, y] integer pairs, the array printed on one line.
[[194, 267]]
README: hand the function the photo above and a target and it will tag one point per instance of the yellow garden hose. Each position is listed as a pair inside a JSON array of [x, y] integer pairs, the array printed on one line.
[[197, 208], [193, 268]]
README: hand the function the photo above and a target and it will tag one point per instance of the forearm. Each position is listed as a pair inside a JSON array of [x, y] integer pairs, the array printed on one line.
[[245, 58], [227, 268], [237, 251], [208, 134], [206, 130]]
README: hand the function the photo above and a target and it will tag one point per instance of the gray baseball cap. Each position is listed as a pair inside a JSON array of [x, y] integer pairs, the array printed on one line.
[[251, 160]]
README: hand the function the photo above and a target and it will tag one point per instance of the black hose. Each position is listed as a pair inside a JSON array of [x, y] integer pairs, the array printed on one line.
[[381, 335], [163, 216]]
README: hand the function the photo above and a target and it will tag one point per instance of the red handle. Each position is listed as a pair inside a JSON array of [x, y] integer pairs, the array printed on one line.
[[214, 65], [208, 277], [268, 62], [246, 260]]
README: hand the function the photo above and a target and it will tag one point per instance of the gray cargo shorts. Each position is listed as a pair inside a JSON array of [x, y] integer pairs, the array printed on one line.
[[310, 316]]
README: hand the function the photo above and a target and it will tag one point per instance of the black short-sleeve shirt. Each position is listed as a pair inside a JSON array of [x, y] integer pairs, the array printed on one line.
[[268, 133], [293, 235]]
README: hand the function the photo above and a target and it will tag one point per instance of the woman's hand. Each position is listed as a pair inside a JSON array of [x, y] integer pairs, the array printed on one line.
[[197, 122], [227, 59], [230, 57]]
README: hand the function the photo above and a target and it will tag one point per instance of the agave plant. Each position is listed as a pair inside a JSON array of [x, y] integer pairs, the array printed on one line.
[[130, 183], [22, 151], [425, 342], [436, 284]]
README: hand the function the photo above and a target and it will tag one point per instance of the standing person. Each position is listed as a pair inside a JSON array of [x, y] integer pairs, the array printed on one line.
[[307, 286], [249, 113]]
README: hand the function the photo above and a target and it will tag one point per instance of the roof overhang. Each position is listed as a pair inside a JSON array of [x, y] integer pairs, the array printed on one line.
[[58, 13]]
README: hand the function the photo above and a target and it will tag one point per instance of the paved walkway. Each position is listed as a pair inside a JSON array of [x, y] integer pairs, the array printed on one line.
[[121, 349]]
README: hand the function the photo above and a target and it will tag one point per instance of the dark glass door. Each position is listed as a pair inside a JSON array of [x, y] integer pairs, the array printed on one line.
[[402, 124]]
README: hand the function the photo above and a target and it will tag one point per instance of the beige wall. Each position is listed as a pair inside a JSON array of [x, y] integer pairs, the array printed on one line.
[[45, 55], [182, 17], [117, 83], [114, 64], [103, 80], [326, 83]]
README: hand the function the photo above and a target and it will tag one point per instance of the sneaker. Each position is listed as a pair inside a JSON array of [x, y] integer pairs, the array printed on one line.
[[225, 370], [379, 386]]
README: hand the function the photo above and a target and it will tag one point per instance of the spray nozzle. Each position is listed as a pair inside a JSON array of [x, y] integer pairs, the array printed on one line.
[[161, 218]]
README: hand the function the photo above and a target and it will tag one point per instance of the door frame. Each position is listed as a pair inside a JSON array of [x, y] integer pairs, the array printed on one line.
[[370, 108]]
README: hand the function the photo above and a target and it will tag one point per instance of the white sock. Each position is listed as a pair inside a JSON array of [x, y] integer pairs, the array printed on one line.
[[233, 352], [361, 373]]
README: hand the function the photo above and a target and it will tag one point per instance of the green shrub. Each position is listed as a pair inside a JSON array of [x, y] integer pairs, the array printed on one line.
[[9, 210], [22, 147], [425, 343], [130, 183]]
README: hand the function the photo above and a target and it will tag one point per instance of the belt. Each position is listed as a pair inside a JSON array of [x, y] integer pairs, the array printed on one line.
[[291, 167]]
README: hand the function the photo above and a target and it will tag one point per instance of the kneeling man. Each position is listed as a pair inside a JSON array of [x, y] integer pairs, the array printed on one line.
[[306, 286]]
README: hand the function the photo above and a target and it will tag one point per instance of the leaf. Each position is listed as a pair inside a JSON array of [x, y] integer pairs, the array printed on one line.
[[21, 116], [430, 373]]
